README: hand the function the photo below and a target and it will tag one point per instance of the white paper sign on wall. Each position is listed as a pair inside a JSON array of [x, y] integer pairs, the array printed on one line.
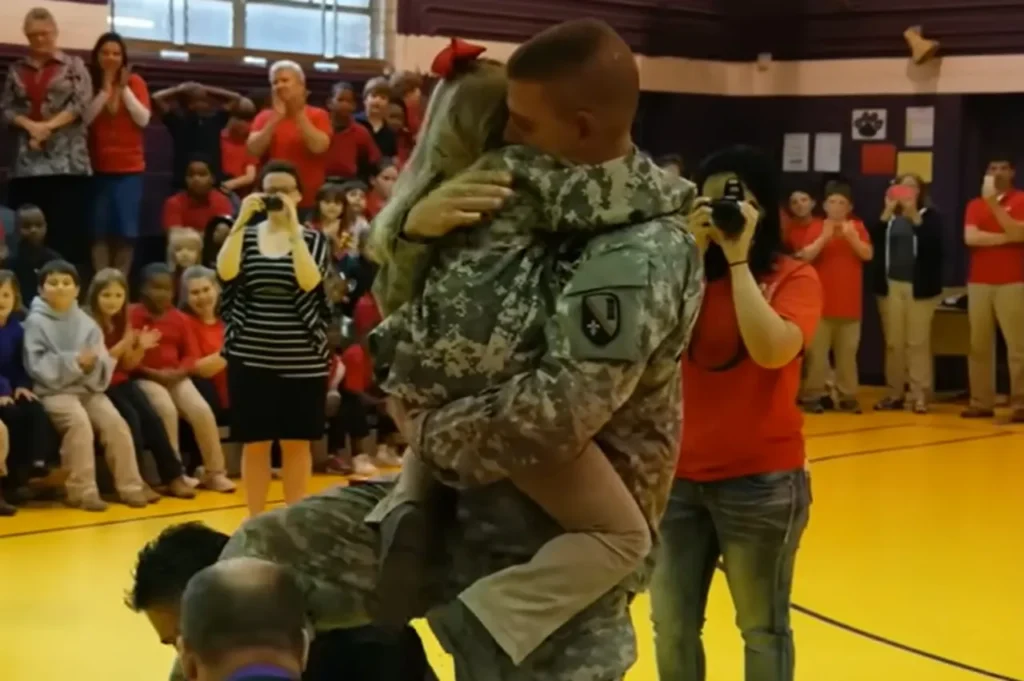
[[869, 124]]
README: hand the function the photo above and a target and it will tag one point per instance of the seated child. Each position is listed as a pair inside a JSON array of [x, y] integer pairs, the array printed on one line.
[[359, 271], [106, 299], [385, 174], [355, 221], [199, 202], [71, 370], [184, 249], [165, 369], [216, 233], [28, 442], [329, 217], [199, 295], [607, 535], [32, 252]]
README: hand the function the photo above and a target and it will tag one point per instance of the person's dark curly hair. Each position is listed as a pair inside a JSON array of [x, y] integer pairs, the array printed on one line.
[[165, 565], [756, 170]]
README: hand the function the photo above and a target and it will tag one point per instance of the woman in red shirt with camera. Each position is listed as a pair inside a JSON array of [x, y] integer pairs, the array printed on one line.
[[741, 494]]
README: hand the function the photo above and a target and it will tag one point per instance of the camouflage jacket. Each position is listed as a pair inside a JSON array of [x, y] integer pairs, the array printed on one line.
[[477, 318]]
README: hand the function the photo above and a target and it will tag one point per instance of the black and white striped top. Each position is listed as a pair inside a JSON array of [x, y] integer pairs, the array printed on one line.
[[271, 323]]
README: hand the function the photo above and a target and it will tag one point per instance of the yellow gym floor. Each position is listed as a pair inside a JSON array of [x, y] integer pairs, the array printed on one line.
[[912, 568]]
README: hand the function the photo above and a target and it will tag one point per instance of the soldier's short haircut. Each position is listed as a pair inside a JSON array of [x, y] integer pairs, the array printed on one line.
[[560, 50], [240, 604], [166, 564]]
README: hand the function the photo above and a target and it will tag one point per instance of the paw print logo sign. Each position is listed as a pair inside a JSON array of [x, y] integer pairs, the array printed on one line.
[[869, 124]]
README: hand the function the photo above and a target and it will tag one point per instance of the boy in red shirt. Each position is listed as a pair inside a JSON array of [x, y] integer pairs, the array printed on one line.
[[353, 150], [199, 203], [994, 233], [165, 370], [238, 165], [838, 247]]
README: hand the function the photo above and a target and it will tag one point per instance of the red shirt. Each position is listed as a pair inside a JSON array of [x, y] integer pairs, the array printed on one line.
[[37, 84], [177, 348], [840, 270], [115, 141], [796, 234], [365, 315], [374, 202], [209, 339], [110, 339], [182, 210], [235, 158], [996, 264], [349, 147], [763, 401], [287, 145], [358, 369]]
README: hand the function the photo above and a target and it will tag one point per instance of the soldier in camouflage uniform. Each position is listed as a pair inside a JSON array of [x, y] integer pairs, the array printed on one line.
[[626, 300]]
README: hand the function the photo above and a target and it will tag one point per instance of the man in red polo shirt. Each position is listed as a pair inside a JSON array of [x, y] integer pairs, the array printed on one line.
[[293, 131], [994, 232]]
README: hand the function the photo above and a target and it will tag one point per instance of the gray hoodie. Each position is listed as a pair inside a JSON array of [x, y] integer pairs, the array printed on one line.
[[52, 343]]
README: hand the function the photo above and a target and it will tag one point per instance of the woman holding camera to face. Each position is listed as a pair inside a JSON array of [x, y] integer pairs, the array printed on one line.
[[741, 494], [908, 282], [276, 314]]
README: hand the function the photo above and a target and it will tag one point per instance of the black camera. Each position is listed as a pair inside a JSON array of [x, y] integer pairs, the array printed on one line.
[[273, 203], [726, 212]]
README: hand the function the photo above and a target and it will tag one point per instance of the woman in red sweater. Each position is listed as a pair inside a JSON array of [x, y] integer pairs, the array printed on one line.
[[119, 112], [166, 369], [740, 494]]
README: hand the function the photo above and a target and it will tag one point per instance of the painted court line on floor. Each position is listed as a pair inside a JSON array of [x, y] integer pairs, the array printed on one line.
[[887, 450]]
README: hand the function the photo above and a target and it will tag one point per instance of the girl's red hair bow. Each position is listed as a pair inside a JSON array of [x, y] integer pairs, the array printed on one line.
[[456, 54]]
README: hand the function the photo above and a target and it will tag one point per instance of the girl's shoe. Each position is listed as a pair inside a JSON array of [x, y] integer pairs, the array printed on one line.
[[180, 489], [339, 465], [849, 406], [920, 407], [134, 499], [150, 495], [218, 482], [363, 466], [387, 457], [90, 503]]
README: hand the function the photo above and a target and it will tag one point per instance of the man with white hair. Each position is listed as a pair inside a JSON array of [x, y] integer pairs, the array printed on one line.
[[292, 130]]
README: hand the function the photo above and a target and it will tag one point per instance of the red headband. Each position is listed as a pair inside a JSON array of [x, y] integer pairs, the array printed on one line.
[[456, 54]]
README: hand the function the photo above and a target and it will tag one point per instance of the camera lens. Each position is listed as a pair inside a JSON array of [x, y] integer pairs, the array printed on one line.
[[273, 203]]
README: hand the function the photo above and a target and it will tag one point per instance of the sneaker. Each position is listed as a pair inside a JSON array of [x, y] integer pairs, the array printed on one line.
[[218, 482], [91, 503], [977, 413], [920, 407], [180, 489], [151, 496], [889, 404], [849, 406], [363, 466], [387, 457], [190, 481], [6, 510], [339, 465], [813, 406], [134, 499]]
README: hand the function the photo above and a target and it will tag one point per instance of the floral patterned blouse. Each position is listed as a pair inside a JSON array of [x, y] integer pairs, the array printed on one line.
[[66, 152]]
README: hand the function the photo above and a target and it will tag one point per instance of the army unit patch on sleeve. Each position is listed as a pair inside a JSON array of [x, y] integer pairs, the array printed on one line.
[[601, 318]]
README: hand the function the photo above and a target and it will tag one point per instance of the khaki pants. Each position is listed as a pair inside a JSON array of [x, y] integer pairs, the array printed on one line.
[[5, 449], [842, 337], [907, 327], [183, 398], [79, 418], [606, 538], [988, 305]]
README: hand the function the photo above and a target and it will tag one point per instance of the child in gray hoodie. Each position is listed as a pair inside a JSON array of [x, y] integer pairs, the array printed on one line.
[[71, 369]]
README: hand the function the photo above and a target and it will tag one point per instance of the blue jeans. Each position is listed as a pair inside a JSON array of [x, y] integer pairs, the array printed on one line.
[[754, 524]]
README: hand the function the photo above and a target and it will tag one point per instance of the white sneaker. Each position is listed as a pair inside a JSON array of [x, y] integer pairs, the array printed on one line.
[[190, 481], [363, 466], [218, 482], [387, 457]]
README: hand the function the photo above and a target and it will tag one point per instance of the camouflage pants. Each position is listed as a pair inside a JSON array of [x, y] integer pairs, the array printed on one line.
[[333, 552]]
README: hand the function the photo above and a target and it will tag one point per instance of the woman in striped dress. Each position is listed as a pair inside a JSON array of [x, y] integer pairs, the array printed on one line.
[[276, 316]]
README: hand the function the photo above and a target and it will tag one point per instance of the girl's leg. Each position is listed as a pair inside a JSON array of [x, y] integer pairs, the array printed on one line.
[[297, 467], [154, 436], [256, 475], [160, 399], [606, 539], [200, 416], [127, 410]]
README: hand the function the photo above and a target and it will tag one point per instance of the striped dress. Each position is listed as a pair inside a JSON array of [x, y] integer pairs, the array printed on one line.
[[271, 323]]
